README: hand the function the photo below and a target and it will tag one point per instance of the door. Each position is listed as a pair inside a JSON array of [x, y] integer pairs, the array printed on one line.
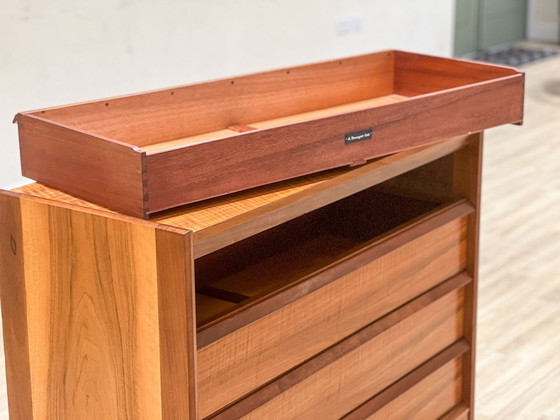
[[482, 24]]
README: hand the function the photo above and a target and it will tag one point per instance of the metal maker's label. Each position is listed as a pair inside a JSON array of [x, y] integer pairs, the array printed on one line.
[[358, 136]]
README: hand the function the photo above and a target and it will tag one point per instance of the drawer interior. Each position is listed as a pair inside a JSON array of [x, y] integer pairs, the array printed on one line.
[[261, 264], [196, 113]]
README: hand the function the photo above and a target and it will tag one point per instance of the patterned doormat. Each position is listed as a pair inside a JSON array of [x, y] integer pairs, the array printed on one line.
[[515, 56]]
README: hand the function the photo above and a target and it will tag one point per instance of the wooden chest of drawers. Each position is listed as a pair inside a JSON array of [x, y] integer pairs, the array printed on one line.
[[345, 294]]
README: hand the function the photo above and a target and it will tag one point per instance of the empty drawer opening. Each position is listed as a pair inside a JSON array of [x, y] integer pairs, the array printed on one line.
[[259, 265]]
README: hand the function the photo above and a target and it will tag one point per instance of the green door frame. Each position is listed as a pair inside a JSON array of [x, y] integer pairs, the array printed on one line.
[[483, 24]]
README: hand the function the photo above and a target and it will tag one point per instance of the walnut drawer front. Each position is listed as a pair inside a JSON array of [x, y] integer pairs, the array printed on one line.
[[432, 390], [345, 376], [431, 398], [382, 278]]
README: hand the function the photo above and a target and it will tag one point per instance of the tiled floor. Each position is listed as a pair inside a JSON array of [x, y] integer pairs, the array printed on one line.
[[517, 56]]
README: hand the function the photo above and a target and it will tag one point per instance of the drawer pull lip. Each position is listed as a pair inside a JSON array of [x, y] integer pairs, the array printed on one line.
[[460, 411], [372, 405], [301, 372], [259, 307]]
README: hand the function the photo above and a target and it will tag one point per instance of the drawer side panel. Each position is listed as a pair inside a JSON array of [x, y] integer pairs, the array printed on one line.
[[99, 170]]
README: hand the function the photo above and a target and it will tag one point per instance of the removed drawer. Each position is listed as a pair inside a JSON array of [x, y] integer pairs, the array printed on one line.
[[345, 376], [140, 154], [256, 344]]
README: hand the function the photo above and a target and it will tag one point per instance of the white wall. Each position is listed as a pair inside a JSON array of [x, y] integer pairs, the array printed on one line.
[[64, 51]]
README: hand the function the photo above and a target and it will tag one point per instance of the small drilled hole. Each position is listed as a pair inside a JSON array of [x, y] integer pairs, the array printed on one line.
[[232, 82], [106, 103], [172, 93], [42, 112], [287, 71], [340, 62]]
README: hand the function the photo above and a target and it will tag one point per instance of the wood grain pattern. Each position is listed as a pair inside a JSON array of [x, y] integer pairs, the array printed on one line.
[[468, 176], [99, 170], [183, 111], [271, 155], [219, 222], [14, 316], [332, 111], [208, 307], [177, 324], [429, 391], [107, 316], [41, 191], [276, 122], [249, 357], [375, 249], [306, 256], [233, 220], [420, 74], [257, 265], [346, 375], [92, 302], [301, 117], [461, 412], [430, 399]]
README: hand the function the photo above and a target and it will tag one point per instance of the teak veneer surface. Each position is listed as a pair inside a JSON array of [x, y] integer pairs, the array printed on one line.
[[305, 116], [145, 270], [467, 180], [14, 304], [145, 153], [414, 391], [108, 315], [431, 398]]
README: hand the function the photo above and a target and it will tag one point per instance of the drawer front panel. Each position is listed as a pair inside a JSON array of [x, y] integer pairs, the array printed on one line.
[[350, 380], [431, 398], [257, 353]]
